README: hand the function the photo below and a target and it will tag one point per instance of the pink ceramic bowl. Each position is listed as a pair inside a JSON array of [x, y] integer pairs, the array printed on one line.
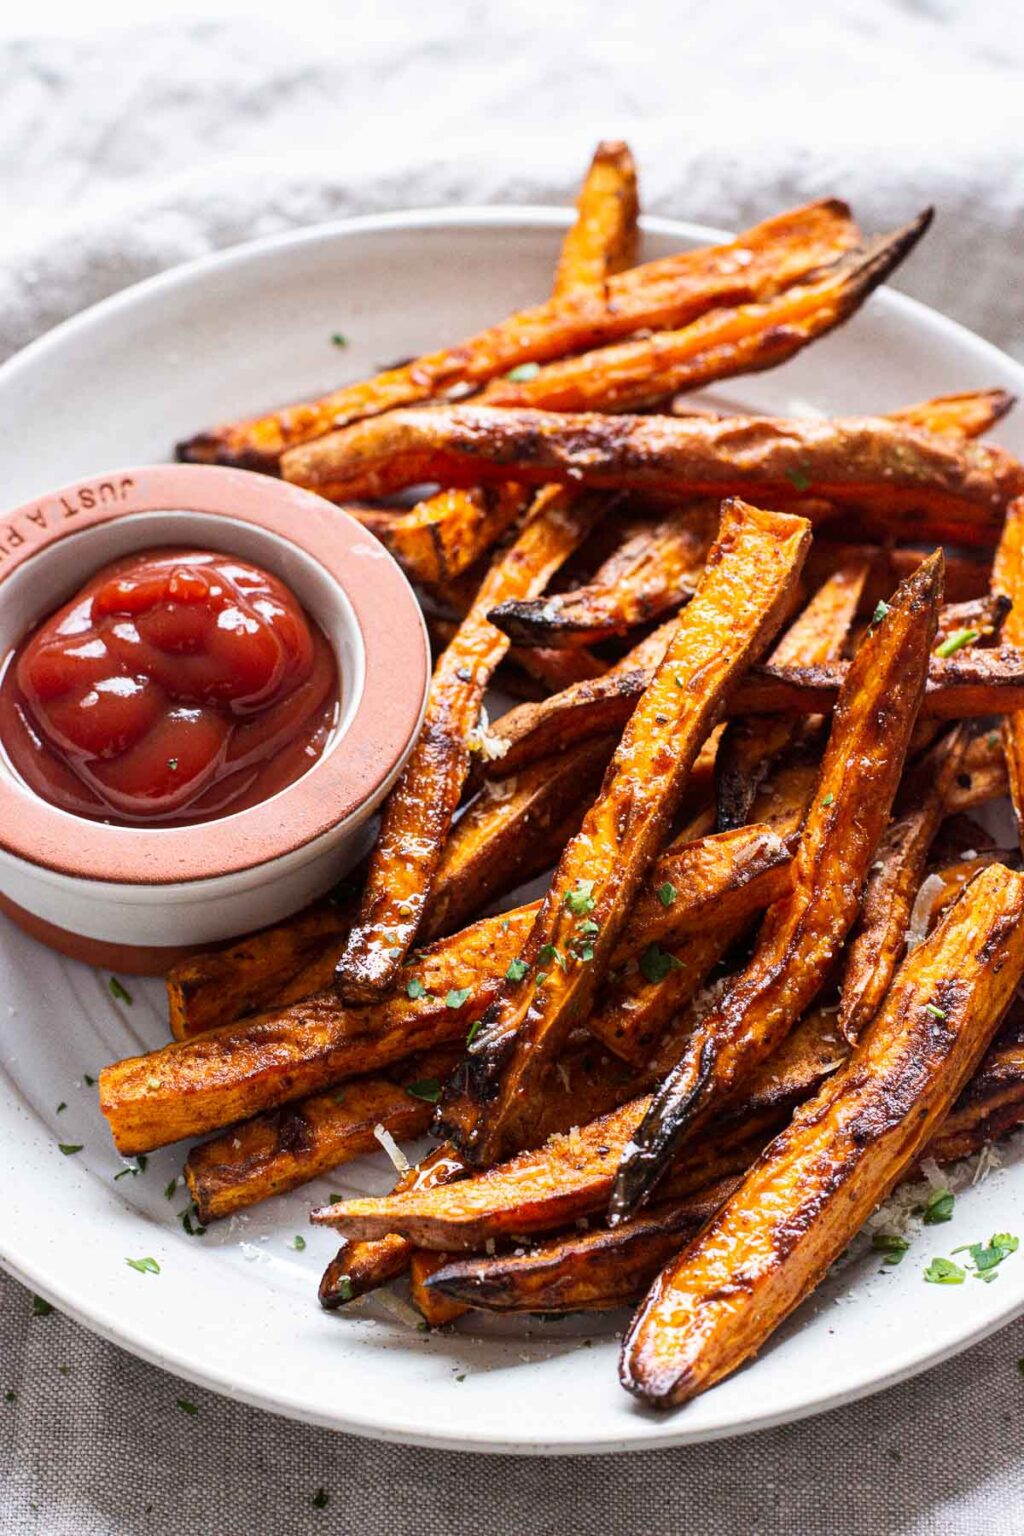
[[136, 898]]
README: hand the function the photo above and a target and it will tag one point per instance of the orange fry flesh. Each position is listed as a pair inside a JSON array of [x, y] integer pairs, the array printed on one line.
[[602, 240]]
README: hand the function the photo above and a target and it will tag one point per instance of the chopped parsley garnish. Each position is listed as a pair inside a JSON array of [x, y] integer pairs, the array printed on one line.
[[987, 1256], [517, 969], [334, 1199], [542, 977], [415, 988], [667, 893], [140, 1167], [298, 1243], [944, 1272], [456, 997], [956, 642], [90, 1082], [936, 1013], [549, 952], [524, 372], [186, 1407], [172, 763], [881, 609], [891, 1244], [320, 1499], [427, 1088], [191, 1229], [655, 963], [938, 1207], [338, 339], [61, 1107], [69, 1148], [828, 799], [338, 1096], [474, 1029], [40, 1308], [172, 1186], [461, 1376], [800, 478], [580, 900], [344, 1288], [120, 991], [144, 1266], [588, 929]]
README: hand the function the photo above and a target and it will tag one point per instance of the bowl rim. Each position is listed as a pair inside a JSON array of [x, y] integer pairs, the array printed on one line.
[[342, 787]]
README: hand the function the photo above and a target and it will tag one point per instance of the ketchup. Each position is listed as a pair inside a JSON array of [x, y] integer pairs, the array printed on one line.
[[177, 686]]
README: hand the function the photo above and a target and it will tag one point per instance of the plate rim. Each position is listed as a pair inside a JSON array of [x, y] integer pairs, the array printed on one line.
[[658, 1432]]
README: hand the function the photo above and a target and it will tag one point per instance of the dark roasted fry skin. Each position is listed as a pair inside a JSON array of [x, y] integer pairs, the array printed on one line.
[[287, 1147], [719, 345], [228, 1074], [602, 241], [747, 586], [653, 573], [750, 745], [419, 810], [811, 1190], [571, 1175], [881, 935], [967, 576], [670, 292], [911, 478], [969, 684], [211, 989], [982, 776], [803, 932], [1008, 581], [442, 537]]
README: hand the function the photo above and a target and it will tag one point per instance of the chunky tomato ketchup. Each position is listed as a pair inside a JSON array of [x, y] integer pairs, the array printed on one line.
[[177, 686]]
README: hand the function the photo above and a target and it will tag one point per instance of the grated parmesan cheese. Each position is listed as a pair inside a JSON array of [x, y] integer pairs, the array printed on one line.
[[391, 1147], [921, 912]]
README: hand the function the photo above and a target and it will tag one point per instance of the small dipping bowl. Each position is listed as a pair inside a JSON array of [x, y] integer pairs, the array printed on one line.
[[136, 898]]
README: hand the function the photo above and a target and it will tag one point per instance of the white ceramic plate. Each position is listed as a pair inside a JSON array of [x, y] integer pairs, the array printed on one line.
[[236, 1310]]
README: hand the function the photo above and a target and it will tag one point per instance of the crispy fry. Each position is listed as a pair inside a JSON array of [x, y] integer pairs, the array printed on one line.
[[651, 574], [419, 810], [572, 1174], [967, 576], [441, 537], [910, 478], [670, 292], [965, 415], [436, 1309], [284, 1148], [844, 1151], [879, 941], [970, 683], [228, 1074], [512, 832], [359, 1268], [750, 745], [719, 345], [1008, 580], [982, 775], [214, 988], [556, 669], [602, 241], [742, 598], [858, 779]]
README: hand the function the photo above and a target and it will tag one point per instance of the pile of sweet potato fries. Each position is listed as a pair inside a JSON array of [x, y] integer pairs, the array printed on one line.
[[766, 669]]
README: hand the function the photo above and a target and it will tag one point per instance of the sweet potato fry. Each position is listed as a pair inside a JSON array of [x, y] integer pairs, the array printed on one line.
[[513, 831], [227, 1074], [911, 479], [419, 810], [747, 585], [442, 537], [982, 775], [654, 571], [669, 292], [287, 1147], [214, 988], [555, 669], [602, 241], [971, 683], [719, 345], [859, 775], [967, 575], [1008, 580], [571, 1175], [880, 938], [965, 415], [751, 744], [807, 1195]]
